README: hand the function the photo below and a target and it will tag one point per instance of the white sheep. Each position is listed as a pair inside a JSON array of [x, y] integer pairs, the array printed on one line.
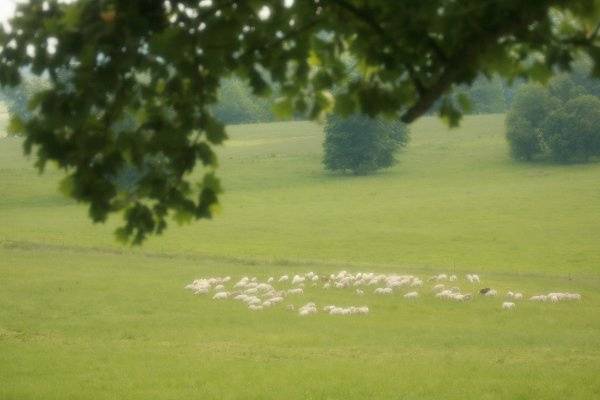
[[297, 279], [255, 307], [444, 294], [219, 288], [384, 291], [264, 287], [491, 293], [284, 278], [221, 296], [360, 292], [541, 297], [460, 297], [416, 283], [507, 305], [361, 310], [340, 311], [275, 300], [307, 309], [554, 298], [240, 285], [270, 280], [558, 296], [439, 286], [411, 295], [295, 291]]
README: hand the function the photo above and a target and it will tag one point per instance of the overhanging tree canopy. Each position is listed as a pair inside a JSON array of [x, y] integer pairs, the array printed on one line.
[[128, 116]]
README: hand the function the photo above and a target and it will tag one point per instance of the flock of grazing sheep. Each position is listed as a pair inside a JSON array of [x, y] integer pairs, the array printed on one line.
[[261, 295]]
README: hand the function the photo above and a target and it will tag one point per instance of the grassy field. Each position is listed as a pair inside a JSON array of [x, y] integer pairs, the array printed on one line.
[[82, 317]]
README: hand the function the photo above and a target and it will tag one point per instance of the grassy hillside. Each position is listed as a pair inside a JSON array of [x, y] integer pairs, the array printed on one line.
[[456, 200], [82, 317]]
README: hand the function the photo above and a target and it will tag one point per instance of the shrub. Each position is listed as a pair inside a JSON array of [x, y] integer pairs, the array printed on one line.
[[531, 106], [573, 132], [564, 88], [360, 144], [523, 138], [562, 120]]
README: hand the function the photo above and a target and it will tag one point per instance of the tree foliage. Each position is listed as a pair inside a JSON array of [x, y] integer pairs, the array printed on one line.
[[17, 98], [360, 144], [237, 105], [561, 120], [141, 78], [572, 133], [523, 137], [486, 95]]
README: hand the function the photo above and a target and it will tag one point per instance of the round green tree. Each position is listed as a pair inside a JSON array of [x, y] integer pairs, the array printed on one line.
[[530, 108], [523, 138], [572, 134], [362, 145]]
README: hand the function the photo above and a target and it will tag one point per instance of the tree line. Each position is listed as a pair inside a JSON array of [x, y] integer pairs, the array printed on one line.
[[559, 121]]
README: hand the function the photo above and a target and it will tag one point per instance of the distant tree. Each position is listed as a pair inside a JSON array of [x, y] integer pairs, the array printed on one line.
[[362, 145], [531, 106], [564, 88], [561, 120], [237, 105], [523, 138], [572, 133], [487, 96], [581, 74], [534, 103]]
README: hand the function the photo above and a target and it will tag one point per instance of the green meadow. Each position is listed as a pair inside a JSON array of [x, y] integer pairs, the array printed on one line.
[[83, 317]]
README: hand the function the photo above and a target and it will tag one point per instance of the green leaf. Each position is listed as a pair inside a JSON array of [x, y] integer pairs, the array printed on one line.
[[344, 104], [313, 59], [540, 72]]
